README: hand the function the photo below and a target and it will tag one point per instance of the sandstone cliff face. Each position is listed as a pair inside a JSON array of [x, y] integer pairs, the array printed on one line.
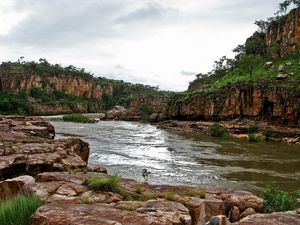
[[284, 35], [271, 103], [70, 84]]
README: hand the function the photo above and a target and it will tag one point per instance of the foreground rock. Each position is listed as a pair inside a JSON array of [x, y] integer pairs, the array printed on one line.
[[138, 213], [69, 189], [27, 147]]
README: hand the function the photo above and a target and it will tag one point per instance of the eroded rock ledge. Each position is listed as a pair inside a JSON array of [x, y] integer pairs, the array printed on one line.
[[56, 171]]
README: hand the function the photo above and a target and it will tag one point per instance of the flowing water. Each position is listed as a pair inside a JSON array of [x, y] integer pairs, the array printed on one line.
[[125, 148]]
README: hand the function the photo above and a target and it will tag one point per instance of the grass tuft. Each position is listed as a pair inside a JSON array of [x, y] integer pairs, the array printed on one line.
[[252, 129], [18, 210], [104, 184], [253, 138], [216, 130]]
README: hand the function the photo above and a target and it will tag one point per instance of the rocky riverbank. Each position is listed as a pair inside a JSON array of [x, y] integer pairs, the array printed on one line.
[[240, 129], [57, 171]]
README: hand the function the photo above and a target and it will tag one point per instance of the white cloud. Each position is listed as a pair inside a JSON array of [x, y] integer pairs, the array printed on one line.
[[152, 42]]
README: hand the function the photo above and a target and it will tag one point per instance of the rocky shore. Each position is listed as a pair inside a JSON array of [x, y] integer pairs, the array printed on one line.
[[239, 129], [57, 171]]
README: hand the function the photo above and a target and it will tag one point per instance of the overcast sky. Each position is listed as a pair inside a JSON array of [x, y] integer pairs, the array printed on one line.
[[158, 42]]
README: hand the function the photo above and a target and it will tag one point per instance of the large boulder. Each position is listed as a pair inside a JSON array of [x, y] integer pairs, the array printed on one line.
[[12, 187], [27, 147]]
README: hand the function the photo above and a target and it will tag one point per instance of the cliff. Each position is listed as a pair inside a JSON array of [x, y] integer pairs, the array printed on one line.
[[272, 103], [43, 89], [283, 35], [69, 84]]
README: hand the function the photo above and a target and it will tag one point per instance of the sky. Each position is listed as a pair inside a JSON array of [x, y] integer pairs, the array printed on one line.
[[162, 43]]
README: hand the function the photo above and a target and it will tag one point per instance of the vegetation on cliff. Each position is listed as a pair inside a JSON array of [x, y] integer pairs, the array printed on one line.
[[25, 84], [249, 64], [261, 82], [125, 92]]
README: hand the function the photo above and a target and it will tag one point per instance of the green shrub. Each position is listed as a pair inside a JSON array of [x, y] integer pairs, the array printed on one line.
[[18, 210], [104, 184], [78, 118], [271, 134], [253, 137], [145, 110], [145, 175], [14, 104], [216, 130], [277, 201], [252, 129], [162, 118]]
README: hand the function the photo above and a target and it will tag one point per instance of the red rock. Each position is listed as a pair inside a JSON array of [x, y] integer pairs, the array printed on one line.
[[234, 214], [154, 213], [12, 187], [30, 149], [247, 212], [271, 219], [96, 168]]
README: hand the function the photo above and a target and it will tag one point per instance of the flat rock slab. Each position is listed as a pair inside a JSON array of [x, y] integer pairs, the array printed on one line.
[[150, 213]]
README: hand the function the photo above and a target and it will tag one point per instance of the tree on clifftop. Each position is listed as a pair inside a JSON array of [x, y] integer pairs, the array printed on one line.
[[283, 6], [248, 63]]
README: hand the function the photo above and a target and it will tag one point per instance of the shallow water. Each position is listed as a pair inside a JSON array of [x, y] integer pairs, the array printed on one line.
[[125, 148]]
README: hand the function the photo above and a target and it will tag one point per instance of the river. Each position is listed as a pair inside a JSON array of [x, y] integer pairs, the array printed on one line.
[[125, 148]]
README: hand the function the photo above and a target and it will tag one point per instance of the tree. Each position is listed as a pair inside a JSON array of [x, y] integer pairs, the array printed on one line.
[[283, 6], [248, 63], [256, 44], [223, 66], [262, 25]]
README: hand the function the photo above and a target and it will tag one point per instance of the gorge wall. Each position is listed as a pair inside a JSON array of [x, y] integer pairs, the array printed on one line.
[[47, 92], [272, 103], [69, 84], [284, 35]]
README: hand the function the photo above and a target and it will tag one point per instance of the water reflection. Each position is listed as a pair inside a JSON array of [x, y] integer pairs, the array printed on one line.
[[125, 148]]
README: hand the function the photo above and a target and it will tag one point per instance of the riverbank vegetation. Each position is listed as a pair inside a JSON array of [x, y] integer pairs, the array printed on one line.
[[278, 201], [217, 130]]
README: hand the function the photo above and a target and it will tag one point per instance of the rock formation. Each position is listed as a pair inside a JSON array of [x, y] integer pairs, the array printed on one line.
[[284, 35], [69, 84], [276, 104]]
